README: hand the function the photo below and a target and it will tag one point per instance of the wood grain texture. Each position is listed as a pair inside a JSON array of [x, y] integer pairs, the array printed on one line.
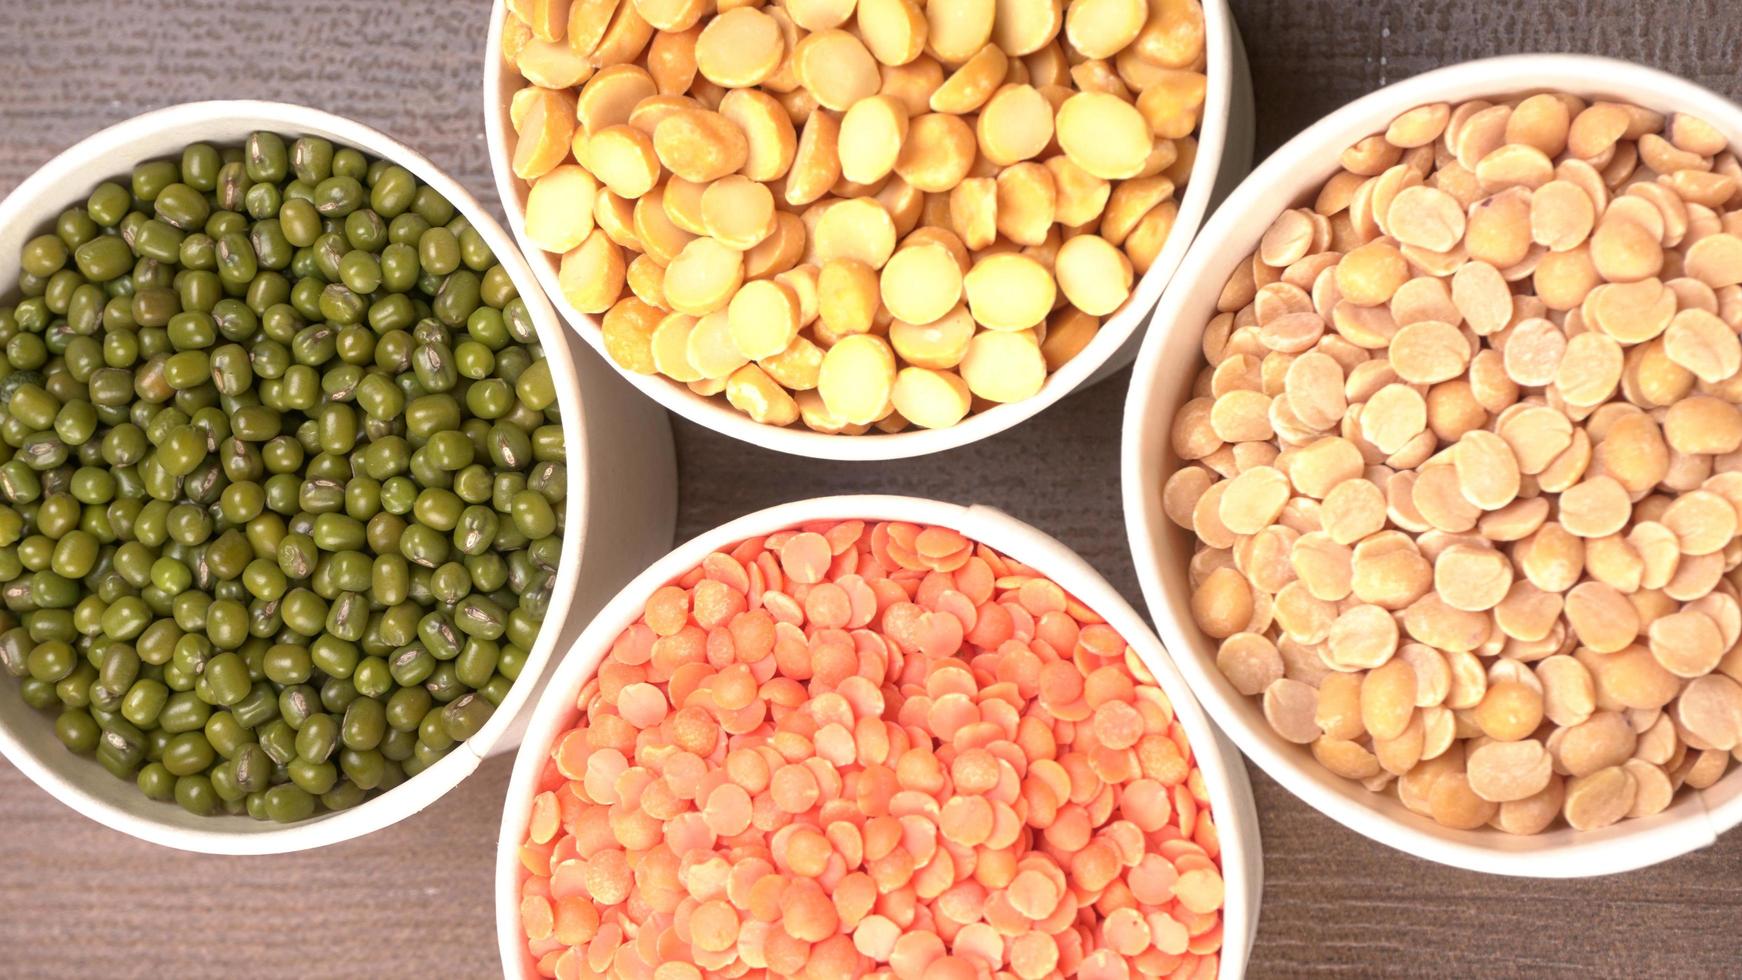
[[414, 901]]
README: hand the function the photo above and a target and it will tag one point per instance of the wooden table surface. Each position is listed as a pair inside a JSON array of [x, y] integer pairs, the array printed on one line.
[[415, 900]]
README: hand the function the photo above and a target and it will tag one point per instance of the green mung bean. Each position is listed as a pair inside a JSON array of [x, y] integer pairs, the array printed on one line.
[[281, 478]]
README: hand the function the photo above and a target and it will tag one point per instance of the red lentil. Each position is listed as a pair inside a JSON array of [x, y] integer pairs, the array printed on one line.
[[871, 750]]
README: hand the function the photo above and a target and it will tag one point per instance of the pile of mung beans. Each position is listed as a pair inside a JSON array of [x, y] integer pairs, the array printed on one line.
[[853, 215], [281, 478], [1465, 464]]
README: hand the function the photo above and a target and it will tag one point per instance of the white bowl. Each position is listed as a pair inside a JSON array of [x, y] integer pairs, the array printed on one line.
[[1224, 154], [621, 503], [556, 711], [1162, 381]]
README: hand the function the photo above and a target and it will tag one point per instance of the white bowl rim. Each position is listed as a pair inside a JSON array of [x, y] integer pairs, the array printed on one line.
[[1221, 60], [1224, 775], [1697, 818], [196, 121]]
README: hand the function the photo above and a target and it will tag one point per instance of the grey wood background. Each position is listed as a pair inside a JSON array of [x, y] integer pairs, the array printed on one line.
[[415, 900]]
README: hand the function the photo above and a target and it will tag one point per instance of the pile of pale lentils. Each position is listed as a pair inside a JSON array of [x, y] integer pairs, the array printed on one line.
[[1463, 464]]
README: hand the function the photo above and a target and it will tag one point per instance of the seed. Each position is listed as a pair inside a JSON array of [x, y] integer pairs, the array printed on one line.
[[1440, 500], [1595, 508], [1634, 453], [1702, 522], [1653, 789], [1599, 799], [1602, 617], [1365, 636], [921, 283], [1715, 260], [703, 277], [1589, 370], [1569, 694], [1352, 510], [1250, 662], [872, 133], [1429, 352], [1370, 274], [1561, 215], [1502, 772], [1452, 803], [1703, 344], [1471, 578], [857, 377], [1488, 472], [1686, 643], [1102, 133], [1419, 126], [1009, 291], [1509, 711], [1222, 605], [1094, 275], [859, 229], [1498, 230], [1253, 499], [1426, 218], [1290, 706], [1703, 424], [1388, 699], [1711, 709]]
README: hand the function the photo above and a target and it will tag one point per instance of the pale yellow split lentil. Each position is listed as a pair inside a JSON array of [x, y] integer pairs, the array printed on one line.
[[1465, 464]]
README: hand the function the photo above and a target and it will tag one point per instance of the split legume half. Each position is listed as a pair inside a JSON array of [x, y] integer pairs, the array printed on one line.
[[853, 216], [871, 750], [281, 478], [1463, 467]]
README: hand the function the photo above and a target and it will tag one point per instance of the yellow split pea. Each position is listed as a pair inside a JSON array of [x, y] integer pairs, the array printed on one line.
[[739, 48], [1009, 291], [858, 378], [872, 133], [1004, 366], [763, 197], [738, 212], [1105, 135], [858, 229], [921, 283], [559, 213], [1095, 276], [931, 399], [763, 317], [1015, 125], [942, 343], [703, 277], [847, 296]]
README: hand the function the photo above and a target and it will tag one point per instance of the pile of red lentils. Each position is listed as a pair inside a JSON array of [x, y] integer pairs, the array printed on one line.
[[855, 749]]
